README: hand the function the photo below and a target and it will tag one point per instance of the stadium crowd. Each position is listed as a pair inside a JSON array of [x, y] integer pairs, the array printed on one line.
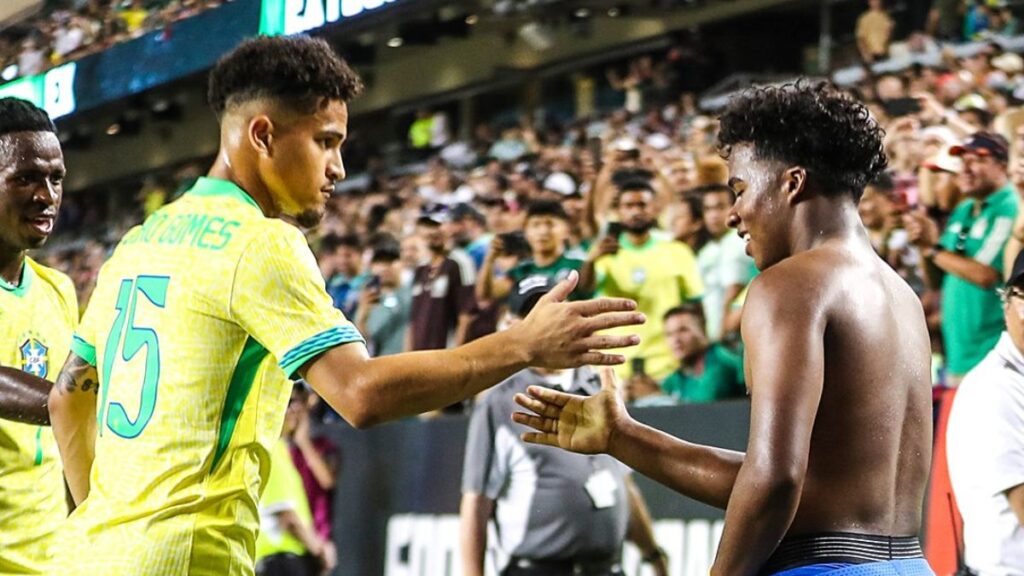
[[66, 30], [636, 199]]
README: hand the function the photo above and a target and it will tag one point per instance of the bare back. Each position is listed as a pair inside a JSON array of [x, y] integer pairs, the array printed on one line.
[[870, 447]]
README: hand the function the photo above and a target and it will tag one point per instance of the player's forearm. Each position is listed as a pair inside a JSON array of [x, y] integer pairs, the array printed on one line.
[[967, 268], [756, 520], [370, 391], [700, 472], [72, 406], [474, 513], [23, 397]]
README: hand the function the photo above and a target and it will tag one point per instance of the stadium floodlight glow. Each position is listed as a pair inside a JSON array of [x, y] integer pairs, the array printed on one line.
[[396, 42]]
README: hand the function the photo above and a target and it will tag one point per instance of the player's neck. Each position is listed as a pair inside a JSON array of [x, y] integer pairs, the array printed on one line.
[[11, 264], [223, 170], [825, 219]]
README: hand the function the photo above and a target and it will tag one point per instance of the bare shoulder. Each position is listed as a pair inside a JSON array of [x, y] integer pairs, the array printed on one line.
[[798, 282]]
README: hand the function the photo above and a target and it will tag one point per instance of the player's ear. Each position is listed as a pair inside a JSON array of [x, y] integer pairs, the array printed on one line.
[[794, 184], [260, 134]]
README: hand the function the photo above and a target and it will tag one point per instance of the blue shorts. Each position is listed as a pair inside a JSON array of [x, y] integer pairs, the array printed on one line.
[[912, 567]]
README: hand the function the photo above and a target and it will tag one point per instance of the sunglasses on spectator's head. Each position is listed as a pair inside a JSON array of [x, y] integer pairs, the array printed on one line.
[[1010, 292]]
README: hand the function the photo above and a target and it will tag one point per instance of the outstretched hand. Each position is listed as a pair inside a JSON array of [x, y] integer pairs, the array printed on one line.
[[561, 334], [575, 423]]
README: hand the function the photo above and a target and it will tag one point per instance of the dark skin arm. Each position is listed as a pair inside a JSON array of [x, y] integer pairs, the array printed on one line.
[[600, 424], [785, 393], [23, 397], [768, 480]]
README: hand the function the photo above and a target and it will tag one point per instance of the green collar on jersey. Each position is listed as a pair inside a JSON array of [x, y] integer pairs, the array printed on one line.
[[26, 280], [206, 186]]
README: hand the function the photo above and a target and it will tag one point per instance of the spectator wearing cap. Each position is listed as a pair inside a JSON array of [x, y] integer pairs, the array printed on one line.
[[874, 31], [724, 265], [341, 264], [442, 291], [707, 371], [967, 259], [635, 261], [557, 513], [564, 189], [985, 446], [385, 304], [547, 231]]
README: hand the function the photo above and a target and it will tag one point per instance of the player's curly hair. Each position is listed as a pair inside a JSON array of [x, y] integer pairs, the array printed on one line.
[[813, 125], [299, 70], [17, 115]]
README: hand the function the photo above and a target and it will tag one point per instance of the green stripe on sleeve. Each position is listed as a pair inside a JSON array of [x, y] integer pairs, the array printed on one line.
[[83, 349], [299, 355]]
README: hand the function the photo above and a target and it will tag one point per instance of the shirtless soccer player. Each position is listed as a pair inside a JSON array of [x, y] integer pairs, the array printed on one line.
[[203, 313], [837, 359]]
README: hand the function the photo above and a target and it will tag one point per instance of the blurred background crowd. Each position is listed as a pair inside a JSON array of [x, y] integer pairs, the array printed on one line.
[[635, 197], [587, 143]]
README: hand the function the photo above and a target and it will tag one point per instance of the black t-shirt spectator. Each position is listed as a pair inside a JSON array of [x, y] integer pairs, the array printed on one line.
[[440, 294]]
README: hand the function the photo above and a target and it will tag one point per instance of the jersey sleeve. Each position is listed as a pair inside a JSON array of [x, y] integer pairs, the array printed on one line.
[[278, 296], [83, 342]]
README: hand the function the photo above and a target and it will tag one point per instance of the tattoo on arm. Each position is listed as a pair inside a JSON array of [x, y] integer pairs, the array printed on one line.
[[78, 375]]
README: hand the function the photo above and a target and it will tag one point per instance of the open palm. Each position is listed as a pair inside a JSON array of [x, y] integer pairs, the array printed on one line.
[[576, 423]]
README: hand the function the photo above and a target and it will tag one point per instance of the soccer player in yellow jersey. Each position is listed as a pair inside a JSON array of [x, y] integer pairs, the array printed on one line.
[[204, 312], [38, 313]]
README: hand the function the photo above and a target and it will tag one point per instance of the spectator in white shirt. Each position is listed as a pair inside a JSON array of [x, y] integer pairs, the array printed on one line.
[[724, 264], [985, 447]]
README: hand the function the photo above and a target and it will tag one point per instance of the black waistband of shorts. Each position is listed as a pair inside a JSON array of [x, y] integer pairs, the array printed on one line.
[[840, 547]]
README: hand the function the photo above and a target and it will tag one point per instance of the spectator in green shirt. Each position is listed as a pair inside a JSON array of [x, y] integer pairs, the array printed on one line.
[[707, 372], [966, 260], [547, 232]]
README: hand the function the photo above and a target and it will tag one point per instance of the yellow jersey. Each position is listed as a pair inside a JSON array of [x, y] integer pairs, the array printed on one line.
[[37, 319], [659, 275], [197, 322]]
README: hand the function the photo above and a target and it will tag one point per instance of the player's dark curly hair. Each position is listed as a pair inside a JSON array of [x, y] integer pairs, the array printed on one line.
[[813, 125], [17, 115], [298, 70]]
